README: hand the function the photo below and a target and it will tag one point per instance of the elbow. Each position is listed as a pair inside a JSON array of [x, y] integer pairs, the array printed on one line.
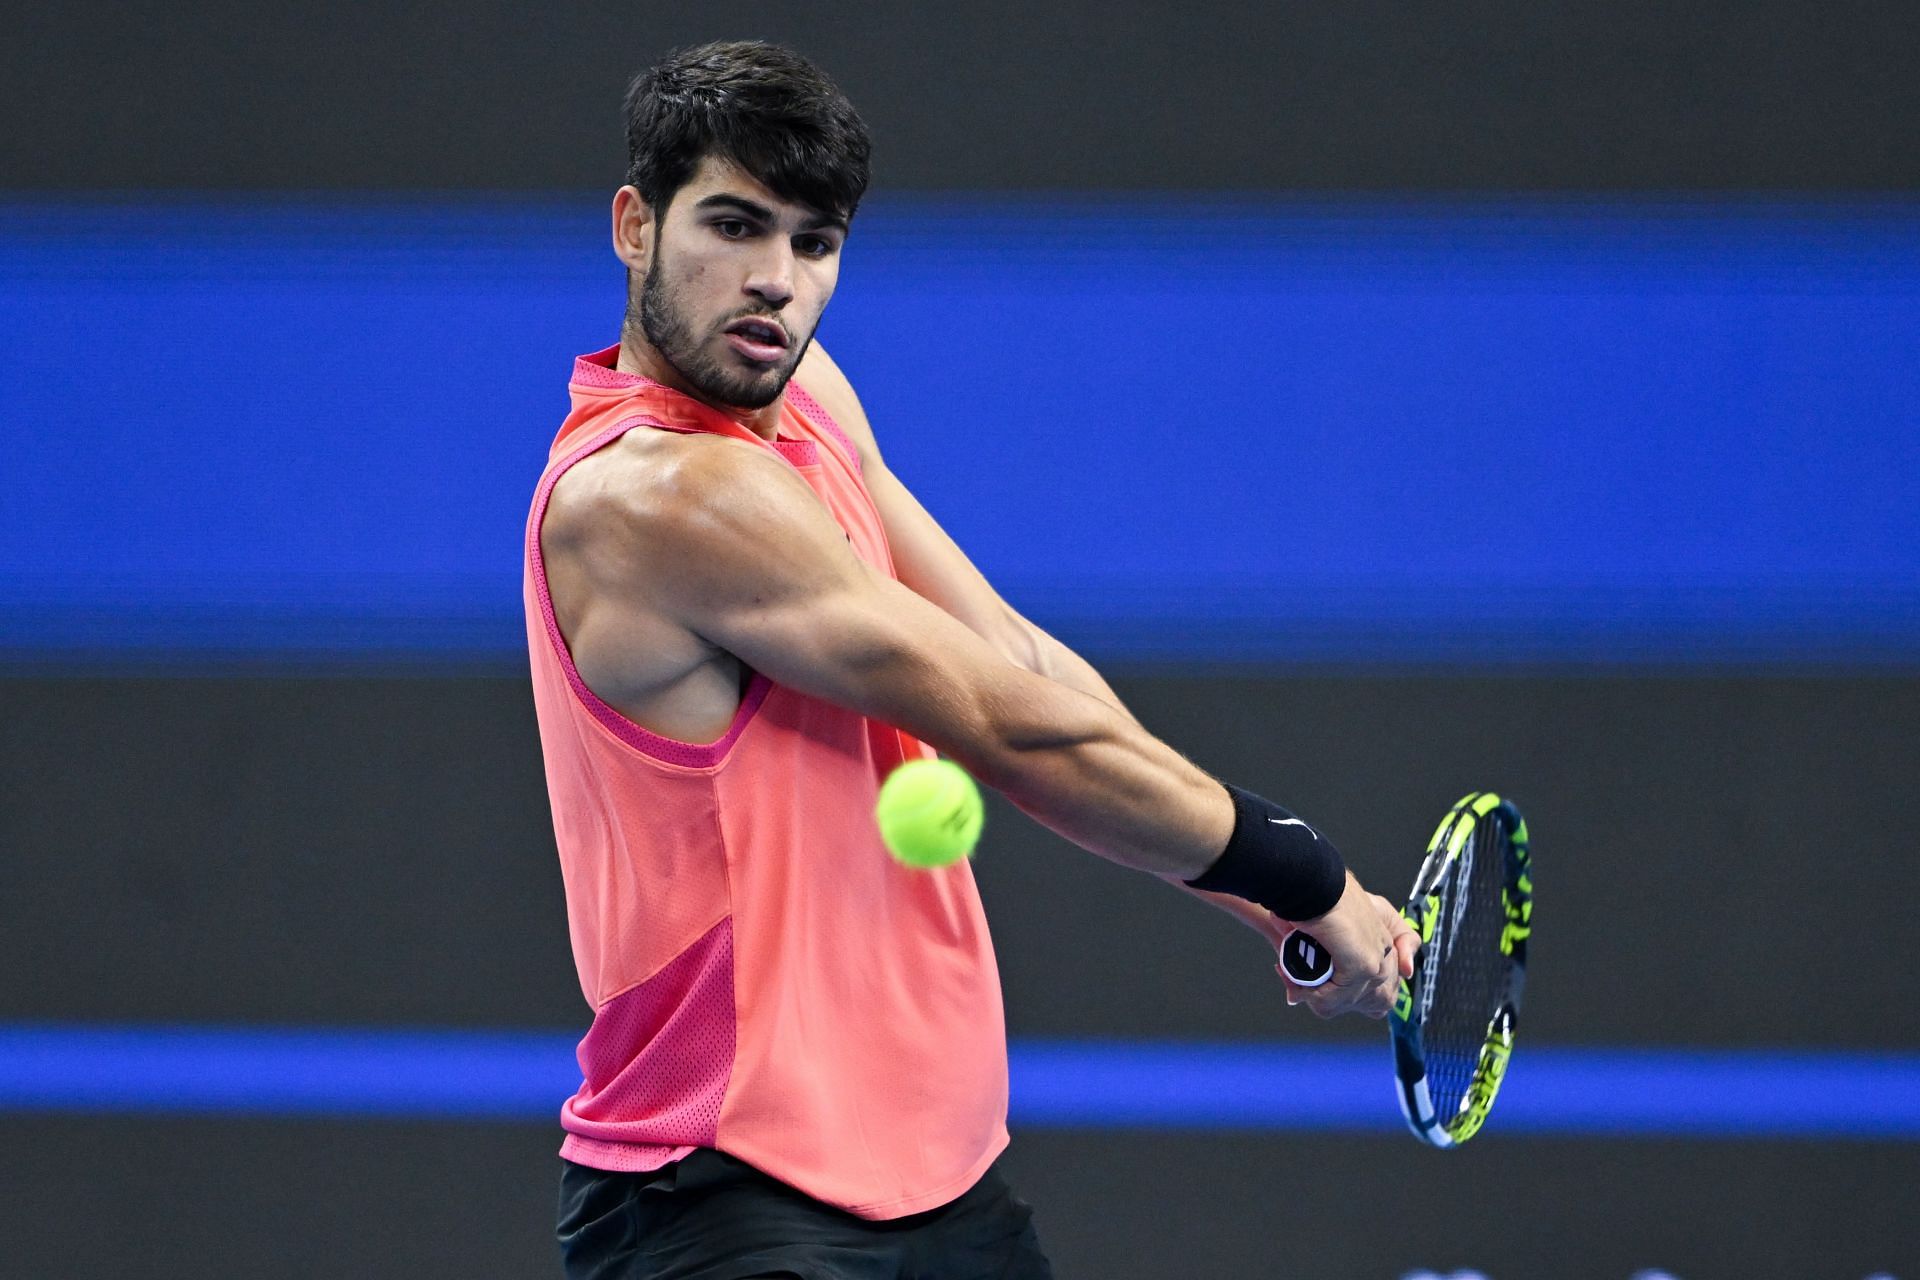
[[1023, 644]]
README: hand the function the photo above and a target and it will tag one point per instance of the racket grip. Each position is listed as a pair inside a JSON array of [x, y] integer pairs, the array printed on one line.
[[1304, 960]]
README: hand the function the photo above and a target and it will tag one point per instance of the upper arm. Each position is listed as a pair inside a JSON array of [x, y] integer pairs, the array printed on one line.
[[735, 548], [925, 557], [729, 549]]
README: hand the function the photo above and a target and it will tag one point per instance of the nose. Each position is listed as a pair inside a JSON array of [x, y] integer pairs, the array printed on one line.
[[772, 278]]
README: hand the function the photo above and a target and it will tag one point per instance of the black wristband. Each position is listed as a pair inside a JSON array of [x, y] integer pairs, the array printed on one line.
[[1277, 861]]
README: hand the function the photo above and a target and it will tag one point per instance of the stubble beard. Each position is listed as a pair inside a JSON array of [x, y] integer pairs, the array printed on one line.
[[665, 325]]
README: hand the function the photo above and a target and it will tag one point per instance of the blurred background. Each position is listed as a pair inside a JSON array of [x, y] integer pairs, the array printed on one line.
[[1395, 400]]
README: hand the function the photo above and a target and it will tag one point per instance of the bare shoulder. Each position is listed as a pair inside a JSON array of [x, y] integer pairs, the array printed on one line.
[[659, 519], [642, 542], [825, 382], [651, 488]]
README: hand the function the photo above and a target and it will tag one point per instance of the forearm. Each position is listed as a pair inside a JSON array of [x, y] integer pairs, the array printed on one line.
[[1061, 664], [1085, 769], [1254, 916]]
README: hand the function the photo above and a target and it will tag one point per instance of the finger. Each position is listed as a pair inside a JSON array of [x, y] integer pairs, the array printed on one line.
[[1358, 998], [1328, 1001], [1406, 947], [1380, 994], [1388, 969]]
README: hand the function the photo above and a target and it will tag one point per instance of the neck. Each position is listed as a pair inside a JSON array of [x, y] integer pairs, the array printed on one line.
[[638, 356]]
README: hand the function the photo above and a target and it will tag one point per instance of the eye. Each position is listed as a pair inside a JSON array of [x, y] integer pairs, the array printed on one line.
[[814, 246], [730, 228]]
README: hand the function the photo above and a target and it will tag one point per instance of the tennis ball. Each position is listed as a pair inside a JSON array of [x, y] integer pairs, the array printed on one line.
[[929, 813]]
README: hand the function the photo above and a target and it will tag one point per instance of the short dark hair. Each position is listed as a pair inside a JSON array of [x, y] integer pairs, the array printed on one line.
[[764, 108]]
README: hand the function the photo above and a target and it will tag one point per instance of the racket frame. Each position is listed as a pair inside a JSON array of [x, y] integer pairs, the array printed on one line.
[[1452, 838]]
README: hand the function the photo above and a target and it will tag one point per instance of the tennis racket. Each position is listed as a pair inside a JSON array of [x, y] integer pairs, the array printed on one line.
[[1454, 1020]]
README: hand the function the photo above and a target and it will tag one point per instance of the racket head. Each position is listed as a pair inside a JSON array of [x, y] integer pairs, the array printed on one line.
[[1453, 1022]]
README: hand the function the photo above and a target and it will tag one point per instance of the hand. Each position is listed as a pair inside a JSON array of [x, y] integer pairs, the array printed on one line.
[[1372, 949]]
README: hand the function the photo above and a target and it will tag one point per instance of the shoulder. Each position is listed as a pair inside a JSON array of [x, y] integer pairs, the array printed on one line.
[[657, 497], [822, 379]]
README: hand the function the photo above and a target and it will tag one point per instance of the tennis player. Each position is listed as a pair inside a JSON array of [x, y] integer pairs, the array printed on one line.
[[740, 621]]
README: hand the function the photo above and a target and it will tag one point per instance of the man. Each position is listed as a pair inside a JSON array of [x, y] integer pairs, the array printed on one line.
[[739, 623]]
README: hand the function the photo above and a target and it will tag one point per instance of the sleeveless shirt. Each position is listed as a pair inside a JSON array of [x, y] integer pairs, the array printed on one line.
[[765, 980]]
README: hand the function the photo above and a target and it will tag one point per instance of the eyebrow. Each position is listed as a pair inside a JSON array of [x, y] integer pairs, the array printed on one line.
[[754, 209]]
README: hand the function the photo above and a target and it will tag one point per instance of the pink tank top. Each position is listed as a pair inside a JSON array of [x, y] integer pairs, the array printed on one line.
[[765, 980]]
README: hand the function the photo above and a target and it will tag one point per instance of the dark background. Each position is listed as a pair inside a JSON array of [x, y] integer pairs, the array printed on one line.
[[226, 836], [1720, 858], [1724, 855], [1371, 95]]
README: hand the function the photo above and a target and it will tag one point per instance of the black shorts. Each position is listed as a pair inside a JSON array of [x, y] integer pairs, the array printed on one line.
[[712, 1217]]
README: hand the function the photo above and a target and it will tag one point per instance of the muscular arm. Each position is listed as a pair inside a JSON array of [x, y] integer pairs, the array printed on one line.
[[732, 546], [726, 547], [935, 567]]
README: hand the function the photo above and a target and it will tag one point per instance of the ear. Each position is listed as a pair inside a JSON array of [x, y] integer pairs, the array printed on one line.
[[634, 229]]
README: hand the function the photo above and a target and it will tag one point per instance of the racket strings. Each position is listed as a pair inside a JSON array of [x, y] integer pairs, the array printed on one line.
[[1467, 973]]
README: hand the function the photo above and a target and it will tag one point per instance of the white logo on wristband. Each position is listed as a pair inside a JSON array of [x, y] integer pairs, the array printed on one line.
[[1294, 822]]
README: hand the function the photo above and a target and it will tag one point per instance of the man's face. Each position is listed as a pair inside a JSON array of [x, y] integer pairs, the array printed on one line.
[[736, 284]]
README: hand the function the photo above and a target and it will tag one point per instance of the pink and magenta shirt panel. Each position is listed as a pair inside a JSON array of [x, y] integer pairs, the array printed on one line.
[[765, 980]]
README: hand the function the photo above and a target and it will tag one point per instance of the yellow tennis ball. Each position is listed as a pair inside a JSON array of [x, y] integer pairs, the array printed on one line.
[[929, 813]]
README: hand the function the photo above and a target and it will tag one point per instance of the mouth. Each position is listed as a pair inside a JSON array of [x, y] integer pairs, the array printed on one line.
[[760, 339]]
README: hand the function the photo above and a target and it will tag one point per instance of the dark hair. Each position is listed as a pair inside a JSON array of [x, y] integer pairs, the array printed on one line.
[[765, 108]]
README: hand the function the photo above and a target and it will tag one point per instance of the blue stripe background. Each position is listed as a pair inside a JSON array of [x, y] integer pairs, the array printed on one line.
[[1231, 429], [451, 1075]]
